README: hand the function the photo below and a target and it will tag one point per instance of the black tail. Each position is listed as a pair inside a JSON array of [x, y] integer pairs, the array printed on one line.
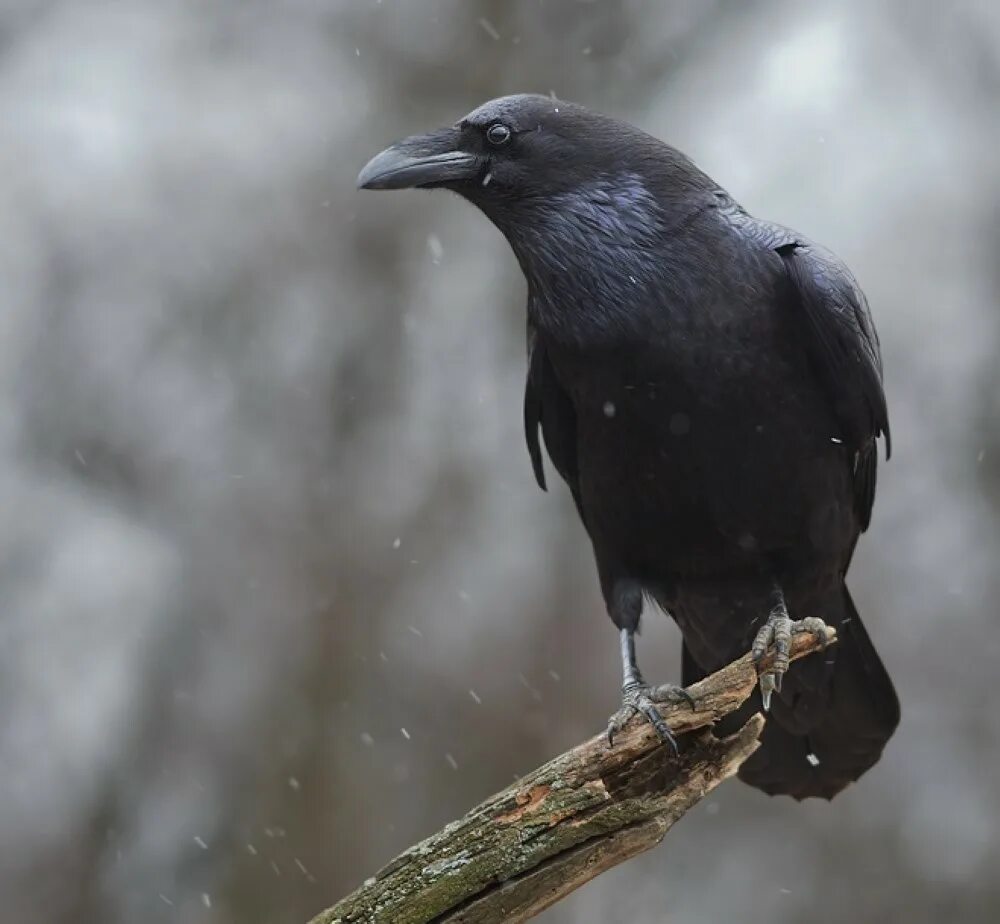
[[836, 711]]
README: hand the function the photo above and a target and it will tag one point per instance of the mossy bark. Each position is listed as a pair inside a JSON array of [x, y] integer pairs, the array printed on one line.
[[568, 821]]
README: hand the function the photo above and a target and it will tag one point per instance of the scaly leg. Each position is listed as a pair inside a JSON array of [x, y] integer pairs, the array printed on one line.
[[638, 697]]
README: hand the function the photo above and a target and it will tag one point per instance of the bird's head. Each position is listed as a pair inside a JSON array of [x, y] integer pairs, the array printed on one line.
[[562, 183], [515, 147]]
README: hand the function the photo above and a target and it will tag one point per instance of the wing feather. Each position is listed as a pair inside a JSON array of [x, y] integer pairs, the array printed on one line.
[[841, 341], [845, 349], [549, 410]]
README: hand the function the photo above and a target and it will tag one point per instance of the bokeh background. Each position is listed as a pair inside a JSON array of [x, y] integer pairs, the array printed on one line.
[[278, 594]]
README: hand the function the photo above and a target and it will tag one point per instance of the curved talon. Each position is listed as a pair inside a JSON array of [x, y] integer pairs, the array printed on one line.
[[640, 699], [617, 722], [767, 687], [652, 714]]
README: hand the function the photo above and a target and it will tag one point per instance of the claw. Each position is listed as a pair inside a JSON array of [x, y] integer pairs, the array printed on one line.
[[778, 631], [767, 686], [641, 699], [661, 728], [618, 721]]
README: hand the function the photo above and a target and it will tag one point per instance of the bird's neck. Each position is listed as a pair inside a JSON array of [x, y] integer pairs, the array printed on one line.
[[594, 259], [579, 298]]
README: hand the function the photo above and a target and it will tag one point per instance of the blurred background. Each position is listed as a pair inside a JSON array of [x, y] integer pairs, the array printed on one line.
[[278, 593]]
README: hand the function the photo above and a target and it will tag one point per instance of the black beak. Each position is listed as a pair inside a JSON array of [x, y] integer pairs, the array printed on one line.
[[423, 160]]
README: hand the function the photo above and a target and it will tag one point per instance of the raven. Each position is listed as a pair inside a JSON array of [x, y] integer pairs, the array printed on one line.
[[709, 386]]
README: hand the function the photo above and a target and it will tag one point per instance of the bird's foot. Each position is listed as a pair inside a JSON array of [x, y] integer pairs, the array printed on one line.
[[778, 631], [641, 699]]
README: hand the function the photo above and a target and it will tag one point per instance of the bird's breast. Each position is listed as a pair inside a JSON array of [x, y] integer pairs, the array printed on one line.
[[708, 451]]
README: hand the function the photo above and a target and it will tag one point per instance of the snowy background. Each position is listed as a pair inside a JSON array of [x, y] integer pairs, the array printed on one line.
[[278, 594]]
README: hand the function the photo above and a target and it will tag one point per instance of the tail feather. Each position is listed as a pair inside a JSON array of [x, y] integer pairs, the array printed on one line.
[[835, 713]]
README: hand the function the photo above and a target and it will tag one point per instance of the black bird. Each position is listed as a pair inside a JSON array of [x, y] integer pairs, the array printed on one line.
[[709, 386]]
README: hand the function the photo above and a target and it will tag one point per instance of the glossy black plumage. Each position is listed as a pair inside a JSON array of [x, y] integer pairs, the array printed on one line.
[[709, 386]]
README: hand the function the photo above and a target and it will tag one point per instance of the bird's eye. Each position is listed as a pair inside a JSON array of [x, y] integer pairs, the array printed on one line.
[[498, 134]]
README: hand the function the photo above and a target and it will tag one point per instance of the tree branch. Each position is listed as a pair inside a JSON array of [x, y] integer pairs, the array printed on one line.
[[558, 827]]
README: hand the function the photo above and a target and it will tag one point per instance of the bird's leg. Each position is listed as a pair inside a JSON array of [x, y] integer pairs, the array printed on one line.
[[638, 697], [778, 630]]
